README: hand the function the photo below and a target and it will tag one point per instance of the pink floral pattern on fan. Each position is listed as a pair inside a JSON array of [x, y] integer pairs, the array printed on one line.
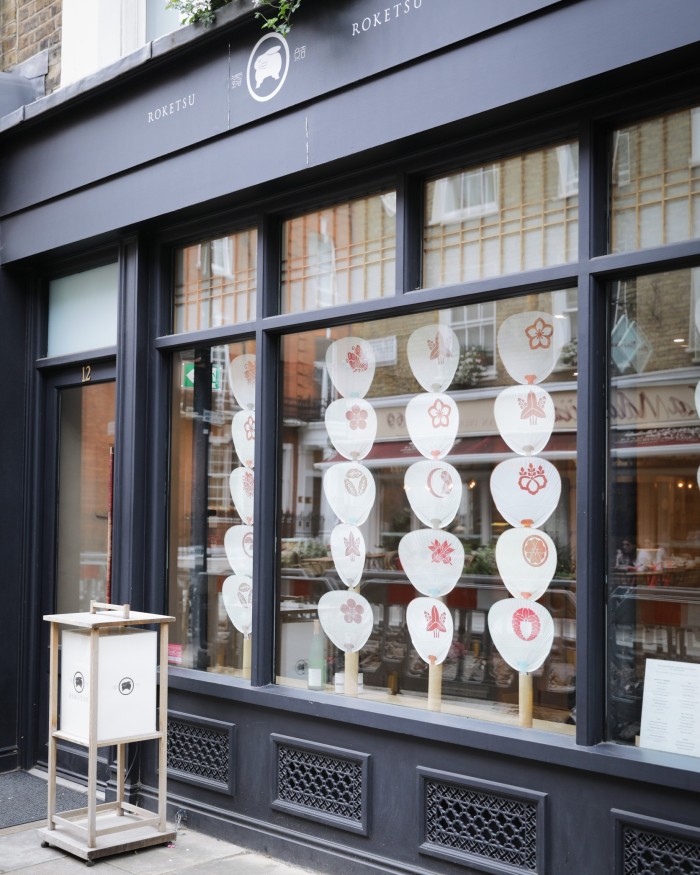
[[357, 417], [352, 546], [249, 372], [435, 621], [442, 552], [249, 427], [440, 348], [357, 360], [526, 624], [535, 551], [440, 414], [352, 611], [532, 407], [532, 479]]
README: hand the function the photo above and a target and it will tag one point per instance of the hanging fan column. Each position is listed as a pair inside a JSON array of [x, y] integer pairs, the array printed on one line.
[[526, 492], [432, 558], [237, 589], [350, 490]]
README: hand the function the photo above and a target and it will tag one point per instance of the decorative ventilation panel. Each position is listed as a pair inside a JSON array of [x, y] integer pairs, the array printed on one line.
[[491, 826], [652, 853], [200, 751], [321, 783]]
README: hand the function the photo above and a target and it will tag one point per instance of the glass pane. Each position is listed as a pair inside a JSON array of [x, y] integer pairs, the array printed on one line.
[[83, 311], [215, 282], [655, 181], [84, 531], [340, 254], [211, 508], [654, 506], [517, 214], [345, 493]]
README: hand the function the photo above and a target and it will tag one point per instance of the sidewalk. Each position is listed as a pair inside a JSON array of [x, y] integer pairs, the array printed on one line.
[[192, 854]]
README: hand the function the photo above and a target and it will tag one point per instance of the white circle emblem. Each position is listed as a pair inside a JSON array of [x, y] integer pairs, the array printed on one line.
[[268, 64]]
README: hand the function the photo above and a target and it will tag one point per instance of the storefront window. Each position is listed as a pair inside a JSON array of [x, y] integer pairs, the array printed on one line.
[[428, 494], [340, 254], [516, 214], [656, 181], [211, 508], [654, 505], [215, 282]]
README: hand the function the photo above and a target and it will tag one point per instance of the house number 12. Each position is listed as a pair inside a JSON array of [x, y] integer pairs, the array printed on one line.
[[87, 373]]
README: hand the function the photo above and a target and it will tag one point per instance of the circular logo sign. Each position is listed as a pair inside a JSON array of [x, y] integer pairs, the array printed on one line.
[[268, 66], [78, 682], [126, 686]]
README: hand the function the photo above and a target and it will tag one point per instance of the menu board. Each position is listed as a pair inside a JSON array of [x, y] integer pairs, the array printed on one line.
[[671, 707]]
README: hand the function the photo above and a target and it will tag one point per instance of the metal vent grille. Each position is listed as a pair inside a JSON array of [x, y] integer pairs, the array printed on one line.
[[200, 752], [322, 783], [483, 825], [652, 853]]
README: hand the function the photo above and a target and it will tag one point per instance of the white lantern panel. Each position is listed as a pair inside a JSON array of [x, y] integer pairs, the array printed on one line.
[[434, 491], [525, 418], [529, 345], [432, 420], [348, 552], [350, 490], [351, 424], [242, 486], [351, 363], [527, 560], [525, 490], [241, 378], [238, 544], [237, 595], [433, 560], [523, 632], [431, 627], [243, 434], [346, 618], [433, 354]]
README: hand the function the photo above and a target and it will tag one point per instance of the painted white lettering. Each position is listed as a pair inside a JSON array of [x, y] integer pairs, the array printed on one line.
[[387, 14], [366, 24], [397, 7], [355, 28], [377, 20], [190, 99], [406, 5], [157, 114], [171, 108], [417, 4], [150, 117]]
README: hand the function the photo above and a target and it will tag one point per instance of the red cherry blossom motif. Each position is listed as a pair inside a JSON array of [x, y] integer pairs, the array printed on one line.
[[435, 621], [356, 359], [540, 334], [248, 483], [535, 550], [352, 546], [526, 624], [249, 372], [352, 612], [440, 348], [249, 427], [442, 552], [357, 417], [532, 479], [532, 407], [440, 414]]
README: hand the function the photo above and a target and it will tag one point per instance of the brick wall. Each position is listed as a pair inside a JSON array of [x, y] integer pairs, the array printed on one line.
[[28, 28]]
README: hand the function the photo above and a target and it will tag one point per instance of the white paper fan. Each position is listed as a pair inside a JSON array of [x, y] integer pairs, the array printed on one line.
[[348, 552], [529, 344], [241, 378], [697, 390], [242, 485], [237, 594], [433, 354], [523, 632], [525, 418], [346, 618], [525, 490], [527, 560], [434, 491], [351, 424], [351, 363], [238, 544], [350, 490], [431, 627], [433, 560], [432, 420], [243, 434]]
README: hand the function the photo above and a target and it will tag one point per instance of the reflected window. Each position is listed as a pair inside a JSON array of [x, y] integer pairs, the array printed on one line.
[[392, 581], [517, 214], [211, 587], [653, 498]]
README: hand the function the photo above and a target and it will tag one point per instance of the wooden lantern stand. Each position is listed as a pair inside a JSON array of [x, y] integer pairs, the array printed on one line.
[[112, 827]]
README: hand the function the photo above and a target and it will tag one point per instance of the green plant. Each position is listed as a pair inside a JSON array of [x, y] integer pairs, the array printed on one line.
[[310, 549], [277, 17], [473, 361]]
